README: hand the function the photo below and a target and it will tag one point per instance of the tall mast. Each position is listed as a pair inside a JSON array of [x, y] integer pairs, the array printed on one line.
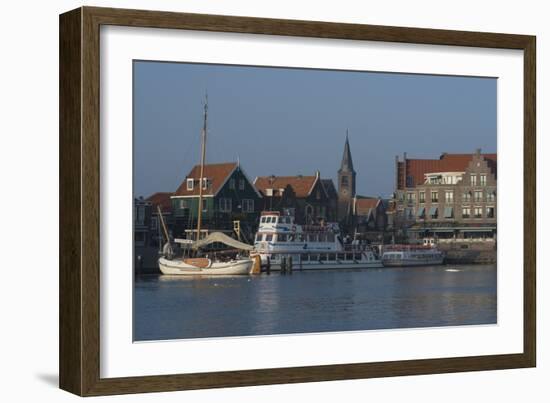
[[203, 157]]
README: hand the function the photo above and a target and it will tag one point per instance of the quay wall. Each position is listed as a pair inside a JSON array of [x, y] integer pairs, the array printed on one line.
[[461, 252]]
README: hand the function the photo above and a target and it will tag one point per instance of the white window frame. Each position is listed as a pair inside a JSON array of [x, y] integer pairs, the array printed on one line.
[[190, 183], [248, 205], [483, 180], [226, 204]]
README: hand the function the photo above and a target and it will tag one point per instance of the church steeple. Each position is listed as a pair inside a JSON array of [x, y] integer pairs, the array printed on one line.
[[347, 162], [346, 183]]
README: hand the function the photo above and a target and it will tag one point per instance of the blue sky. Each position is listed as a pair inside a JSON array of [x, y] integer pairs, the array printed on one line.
[[293, 121]]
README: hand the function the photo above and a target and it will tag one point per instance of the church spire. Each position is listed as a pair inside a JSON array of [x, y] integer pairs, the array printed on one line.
[[347, 162]]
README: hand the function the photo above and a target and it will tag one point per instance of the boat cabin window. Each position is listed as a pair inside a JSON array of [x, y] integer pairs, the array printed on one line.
[[269, 237], [274, 220], [282, 237], [305, 257], [323, 258], [263, 219], [332, 257], [357, 256], [349, 256], [341, 256]]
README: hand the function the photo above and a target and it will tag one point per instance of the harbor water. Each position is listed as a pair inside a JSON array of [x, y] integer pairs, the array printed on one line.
[[182, 307]]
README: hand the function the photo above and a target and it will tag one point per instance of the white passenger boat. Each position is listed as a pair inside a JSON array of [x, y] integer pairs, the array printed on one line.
[[412, 255], [281, 243]]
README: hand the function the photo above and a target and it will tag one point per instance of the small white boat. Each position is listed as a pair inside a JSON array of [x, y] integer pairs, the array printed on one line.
[[411, 255]]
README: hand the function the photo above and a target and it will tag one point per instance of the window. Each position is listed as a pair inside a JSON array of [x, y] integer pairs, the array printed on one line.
[[241, 184], [183, 204], [478, 195], [154, 222], [467, 196], [449, 196], [204, 204], [411, 197], [204, 183], [248, 205], [483, 180], [263, 220], [491, 196], [269, 237], [345, 181], [465, 212], [232, 183], [422, 197], [225, 205], [478, 212], [435, 197], [473, 179], [190, 183], [140, 215], [282, 237], [490, 212]]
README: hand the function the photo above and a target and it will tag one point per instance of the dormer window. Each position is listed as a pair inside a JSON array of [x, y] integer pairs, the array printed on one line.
[[204, 183], [190, 183]]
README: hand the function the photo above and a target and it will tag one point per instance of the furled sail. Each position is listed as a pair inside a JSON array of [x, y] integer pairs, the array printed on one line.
[[220, 237]]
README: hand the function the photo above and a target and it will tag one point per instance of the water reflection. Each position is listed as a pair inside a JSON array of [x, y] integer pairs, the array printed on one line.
[[175, 307]]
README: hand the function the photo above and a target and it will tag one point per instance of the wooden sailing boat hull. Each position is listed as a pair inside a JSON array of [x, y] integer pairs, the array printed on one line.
[[180, 267]]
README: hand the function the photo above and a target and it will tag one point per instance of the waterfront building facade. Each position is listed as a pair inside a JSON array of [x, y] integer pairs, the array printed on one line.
[[227, 196], [369, 214], [310, 199], [453, 197]]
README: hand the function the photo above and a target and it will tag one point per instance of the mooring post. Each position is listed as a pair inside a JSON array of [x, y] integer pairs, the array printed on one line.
[[290, 265]]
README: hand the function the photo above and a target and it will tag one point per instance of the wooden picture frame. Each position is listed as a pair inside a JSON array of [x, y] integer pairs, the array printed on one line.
[[80, 199]]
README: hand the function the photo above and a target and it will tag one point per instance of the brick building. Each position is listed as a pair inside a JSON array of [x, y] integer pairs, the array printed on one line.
[[454, 196]]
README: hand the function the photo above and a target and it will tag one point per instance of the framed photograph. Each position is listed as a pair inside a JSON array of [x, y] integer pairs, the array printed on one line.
[[248, 201]]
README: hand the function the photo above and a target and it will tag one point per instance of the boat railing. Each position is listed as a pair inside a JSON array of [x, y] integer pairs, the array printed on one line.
[[399, 248]]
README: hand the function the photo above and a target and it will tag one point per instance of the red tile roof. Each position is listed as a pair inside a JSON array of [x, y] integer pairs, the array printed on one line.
[[216, 174], [364, 205], [161, 199], [302, 185], [417, 168]]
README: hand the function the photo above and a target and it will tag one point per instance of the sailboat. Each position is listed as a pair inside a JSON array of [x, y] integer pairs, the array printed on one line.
[[197, 265]]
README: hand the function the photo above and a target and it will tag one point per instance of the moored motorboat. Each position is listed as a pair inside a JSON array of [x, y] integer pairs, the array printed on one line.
[[412, 255]]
